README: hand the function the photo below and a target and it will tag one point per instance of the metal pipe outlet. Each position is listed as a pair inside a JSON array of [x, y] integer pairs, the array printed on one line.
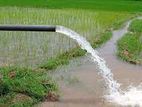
[[36, 28]]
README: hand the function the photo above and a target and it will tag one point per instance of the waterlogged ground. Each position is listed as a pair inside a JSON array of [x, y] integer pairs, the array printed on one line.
[[80, 84], [31, 49]]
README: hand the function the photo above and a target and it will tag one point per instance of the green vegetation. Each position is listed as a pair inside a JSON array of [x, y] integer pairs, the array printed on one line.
[[22, 87], [111, 5], [62, 59], [16, 100], [136, 26], [130, 46]]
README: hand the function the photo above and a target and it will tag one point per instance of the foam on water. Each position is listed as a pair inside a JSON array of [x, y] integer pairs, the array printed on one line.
[[130, 97]]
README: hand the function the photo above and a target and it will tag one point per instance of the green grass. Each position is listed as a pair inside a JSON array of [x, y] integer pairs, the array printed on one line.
[[64, 58], [16, 100], [136, 26], [130, 46], [111, 5], [22, 87]]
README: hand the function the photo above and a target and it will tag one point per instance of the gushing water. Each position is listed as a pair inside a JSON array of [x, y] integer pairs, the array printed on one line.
[[131, 97]]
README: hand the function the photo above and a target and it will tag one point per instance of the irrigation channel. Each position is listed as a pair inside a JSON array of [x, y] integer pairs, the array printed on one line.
[[129, 93]]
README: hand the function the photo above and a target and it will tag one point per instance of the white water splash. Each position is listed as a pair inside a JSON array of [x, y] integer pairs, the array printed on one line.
[[131, 97]]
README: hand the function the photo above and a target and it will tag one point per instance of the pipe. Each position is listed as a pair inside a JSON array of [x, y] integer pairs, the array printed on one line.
[[35, 28]]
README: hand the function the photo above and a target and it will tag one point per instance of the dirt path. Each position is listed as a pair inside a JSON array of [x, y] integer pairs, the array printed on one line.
[[81, 86]]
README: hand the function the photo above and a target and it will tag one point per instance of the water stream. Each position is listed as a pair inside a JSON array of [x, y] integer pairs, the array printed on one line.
[[130, 97]]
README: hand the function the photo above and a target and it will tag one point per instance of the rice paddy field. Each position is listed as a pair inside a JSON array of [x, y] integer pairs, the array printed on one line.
[[30, 49], [22, 53]]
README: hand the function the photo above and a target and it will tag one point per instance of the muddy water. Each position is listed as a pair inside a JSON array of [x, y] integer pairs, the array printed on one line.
[[81, 86]]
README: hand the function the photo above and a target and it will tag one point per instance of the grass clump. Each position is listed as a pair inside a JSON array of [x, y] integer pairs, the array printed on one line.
[[104, 38], [130, 46], [16, 100], [62, 59], [136, 26], [25, 85]]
